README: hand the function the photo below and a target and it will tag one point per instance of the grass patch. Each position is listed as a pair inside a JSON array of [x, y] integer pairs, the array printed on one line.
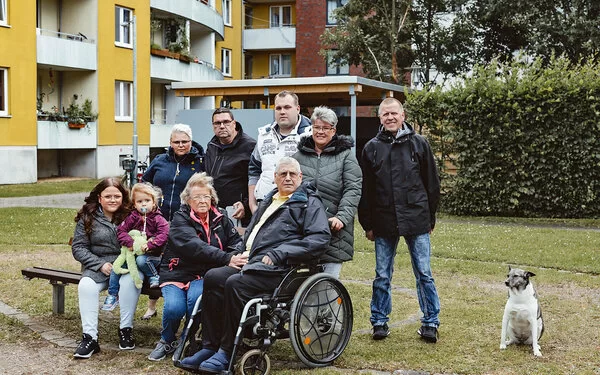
[[48, 188], [469, 262], [26, 225]]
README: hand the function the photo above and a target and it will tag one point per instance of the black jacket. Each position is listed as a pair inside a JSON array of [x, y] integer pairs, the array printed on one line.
[[401, 187], [228, 165], [189, 253], [297, 232]]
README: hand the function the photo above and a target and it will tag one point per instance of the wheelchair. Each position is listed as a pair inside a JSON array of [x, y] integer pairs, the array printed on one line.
[[310, 307]]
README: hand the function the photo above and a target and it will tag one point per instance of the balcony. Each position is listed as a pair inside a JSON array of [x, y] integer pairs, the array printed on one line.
[[168, 69], [273, 38], [196, 11], [64, 50], [57, 135]]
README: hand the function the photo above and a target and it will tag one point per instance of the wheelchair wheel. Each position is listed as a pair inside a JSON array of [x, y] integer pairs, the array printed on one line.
[[321, 320], [254, 362]]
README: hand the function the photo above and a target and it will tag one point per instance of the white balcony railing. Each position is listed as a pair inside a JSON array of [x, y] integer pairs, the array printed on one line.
[[201, 12], [74, 51], [176, 70], [270, 38], [57, 135]]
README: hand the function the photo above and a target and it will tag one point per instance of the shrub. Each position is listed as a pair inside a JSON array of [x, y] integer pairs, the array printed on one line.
[[526, 139]]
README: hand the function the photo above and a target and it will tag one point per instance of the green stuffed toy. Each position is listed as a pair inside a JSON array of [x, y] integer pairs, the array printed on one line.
[[128, 257]]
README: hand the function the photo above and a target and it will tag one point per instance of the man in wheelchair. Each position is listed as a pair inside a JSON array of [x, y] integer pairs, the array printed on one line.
[[290, 226]]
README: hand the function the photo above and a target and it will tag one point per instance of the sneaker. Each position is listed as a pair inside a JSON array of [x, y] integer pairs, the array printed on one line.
[[110, 303], [429, 334], [87, 346], [126, 341], [161, 350], [380, 332], [154, 281]]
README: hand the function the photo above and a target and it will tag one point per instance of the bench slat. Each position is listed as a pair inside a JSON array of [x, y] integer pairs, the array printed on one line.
[[51, 274]]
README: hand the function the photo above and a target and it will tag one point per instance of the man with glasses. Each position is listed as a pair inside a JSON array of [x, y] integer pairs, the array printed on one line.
[[400, 195], [289, 227], [274, 141], [227, 157]]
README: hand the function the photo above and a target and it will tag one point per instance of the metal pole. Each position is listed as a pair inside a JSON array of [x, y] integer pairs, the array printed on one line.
[[135, 104], [353, 115]]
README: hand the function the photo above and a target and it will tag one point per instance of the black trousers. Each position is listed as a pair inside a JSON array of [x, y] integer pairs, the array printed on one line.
[[226, 292]]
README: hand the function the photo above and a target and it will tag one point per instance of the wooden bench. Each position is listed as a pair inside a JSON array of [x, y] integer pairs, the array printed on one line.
[[60, 278]]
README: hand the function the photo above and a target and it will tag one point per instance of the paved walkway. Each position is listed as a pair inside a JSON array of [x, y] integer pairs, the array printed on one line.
[[74, 200]]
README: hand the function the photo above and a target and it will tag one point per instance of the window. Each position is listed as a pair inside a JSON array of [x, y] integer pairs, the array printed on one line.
[[3, 92], [227, 12], [226, 62], [123, 101], [281, 16], [3, 13], [331, 6], [280, 65], [123, 30], [249, 17], [334, 67]]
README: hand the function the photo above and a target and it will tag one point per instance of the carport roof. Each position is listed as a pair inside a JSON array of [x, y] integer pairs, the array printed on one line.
[[333, 91]]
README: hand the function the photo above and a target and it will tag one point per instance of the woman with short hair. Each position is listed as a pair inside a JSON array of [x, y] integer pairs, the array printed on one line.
[[328, 159]]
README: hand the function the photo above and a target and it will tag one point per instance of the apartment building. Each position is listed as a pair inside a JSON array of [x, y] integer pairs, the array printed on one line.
[[68, 81]]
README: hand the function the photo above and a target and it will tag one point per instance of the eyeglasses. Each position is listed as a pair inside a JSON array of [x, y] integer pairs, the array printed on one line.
[[180, 143], [200, 198], [112, 197], [216, 124], [322, 128]]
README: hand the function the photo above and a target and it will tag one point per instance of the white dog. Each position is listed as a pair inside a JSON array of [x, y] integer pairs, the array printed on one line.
[[522, 321]]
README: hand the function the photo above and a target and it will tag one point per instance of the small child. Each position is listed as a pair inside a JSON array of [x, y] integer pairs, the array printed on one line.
[[146, 218]]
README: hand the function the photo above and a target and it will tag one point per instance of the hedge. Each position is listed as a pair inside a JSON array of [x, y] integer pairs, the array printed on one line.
[[524, 137]]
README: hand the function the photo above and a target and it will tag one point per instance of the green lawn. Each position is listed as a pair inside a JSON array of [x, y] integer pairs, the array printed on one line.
[[470, 260], [48, 187]]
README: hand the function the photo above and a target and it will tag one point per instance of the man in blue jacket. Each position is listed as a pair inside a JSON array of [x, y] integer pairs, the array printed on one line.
[[400, 195], [289, 226]]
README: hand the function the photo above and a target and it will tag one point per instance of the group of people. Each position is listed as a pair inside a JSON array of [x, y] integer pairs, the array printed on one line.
[[296, 190]]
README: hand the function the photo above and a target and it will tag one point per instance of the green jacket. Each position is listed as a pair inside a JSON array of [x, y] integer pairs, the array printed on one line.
[[338, 179]]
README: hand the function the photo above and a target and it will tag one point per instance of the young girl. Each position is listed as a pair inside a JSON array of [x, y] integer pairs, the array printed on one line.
[[147, 219]]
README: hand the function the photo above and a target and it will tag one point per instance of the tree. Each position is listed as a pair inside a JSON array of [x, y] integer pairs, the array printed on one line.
[[540, 28], [388, 37]]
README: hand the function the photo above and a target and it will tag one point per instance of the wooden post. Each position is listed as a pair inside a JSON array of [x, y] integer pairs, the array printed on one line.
[[58, 297]]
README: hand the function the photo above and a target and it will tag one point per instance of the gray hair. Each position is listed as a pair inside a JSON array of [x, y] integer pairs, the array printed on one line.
[[182, 128], [289, 161], [324, 114], [201, 180]]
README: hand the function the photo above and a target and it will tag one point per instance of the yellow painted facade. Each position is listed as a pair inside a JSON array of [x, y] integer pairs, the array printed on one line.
[[116, 63], [18, 128]]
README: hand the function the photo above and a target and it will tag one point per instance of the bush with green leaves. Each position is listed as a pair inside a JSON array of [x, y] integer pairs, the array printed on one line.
[[525, 139]]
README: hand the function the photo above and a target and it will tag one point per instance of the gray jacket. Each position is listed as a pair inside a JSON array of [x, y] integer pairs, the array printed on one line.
[[100, 247], [338, 179]]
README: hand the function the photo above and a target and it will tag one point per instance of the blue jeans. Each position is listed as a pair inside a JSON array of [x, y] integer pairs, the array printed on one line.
[[419, 248], [145, 263], [178, 302]]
